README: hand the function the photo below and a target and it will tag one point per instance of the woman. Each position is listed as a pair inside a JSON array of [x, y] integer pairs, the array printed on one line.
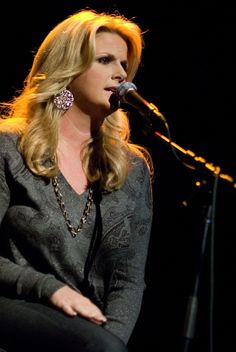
[[75, 194]]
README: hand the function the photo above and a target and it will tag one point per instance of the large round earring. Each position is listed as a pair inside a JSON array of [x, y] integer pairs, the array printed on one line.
[[64, 99]]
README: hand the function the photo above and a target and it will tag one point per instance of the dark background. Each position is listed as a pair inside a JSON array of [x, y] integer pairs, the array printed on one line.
[[188, 71]]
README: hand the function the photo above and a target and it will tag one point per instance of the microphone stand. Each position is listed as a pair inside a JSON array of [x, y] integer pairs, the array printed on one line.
[[127, 94], [192, 305], [149, 111], [198, 160]]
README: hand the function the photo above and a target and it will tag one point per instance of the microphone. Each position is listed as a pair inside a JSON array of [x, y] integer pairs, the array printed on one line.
[[127, 93]]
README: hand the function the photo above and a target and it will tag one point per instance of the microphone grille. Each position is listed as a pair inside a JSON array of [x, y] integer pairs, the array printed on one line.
[[124, 88]]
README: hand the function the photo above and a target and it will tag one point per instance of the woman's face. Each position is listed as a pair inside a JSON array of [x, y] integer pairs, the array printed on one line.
[[93, 90]]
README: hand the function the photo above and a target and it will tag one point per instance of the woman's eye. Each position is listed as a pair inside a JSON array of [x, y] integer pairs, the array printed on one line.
[[104, 60]]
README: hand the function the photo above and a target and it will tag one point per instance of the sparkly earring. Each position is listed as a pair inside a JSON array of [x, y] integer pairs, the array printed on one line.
[[64, 99]]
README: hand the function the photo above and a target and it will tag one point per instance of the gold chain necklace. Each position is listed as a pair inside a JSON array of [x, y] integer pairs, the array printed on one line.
[[74, 231]]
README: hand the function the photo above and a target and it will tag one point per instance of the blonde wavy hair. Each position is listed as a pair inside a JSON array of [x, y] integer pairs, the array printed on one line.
[[67, 51]]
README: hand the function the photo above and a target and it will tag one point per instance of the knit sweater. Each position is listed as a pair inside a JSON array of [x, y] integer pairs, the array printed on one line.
[[38, 254]]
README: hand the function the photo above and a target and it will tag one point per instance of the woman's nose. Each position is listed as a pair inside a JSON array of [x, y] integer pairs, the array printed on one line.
[[120, 74]]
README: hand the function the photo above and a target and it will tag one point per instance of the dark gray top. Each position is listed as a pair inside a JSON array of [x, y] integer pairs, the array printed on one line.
[[38, 255]]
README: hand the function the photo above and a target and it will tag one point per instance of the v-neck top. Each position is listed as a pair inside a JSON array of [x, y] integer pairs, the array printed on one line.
[[38, 255]]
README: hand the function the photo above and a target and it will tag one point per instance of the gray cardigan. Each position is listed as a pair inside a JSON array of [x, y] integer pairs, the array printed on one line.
[[38, 255]]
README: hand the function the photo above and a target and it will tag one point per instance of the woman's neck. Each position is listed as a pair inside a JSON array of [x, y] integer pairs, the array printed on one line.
[[73, 130]]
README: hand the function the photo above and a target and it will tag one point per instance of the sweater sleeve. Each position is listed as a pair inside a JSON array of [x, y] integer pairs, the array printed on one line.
[[18, 280], [128, 282]]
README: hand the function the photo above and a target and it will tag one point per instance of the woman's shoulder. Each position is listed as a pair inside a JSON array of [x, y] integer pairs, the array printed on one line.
[[140, 159], [10, 155], [141, 166], [8, 141], [7, 137]]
